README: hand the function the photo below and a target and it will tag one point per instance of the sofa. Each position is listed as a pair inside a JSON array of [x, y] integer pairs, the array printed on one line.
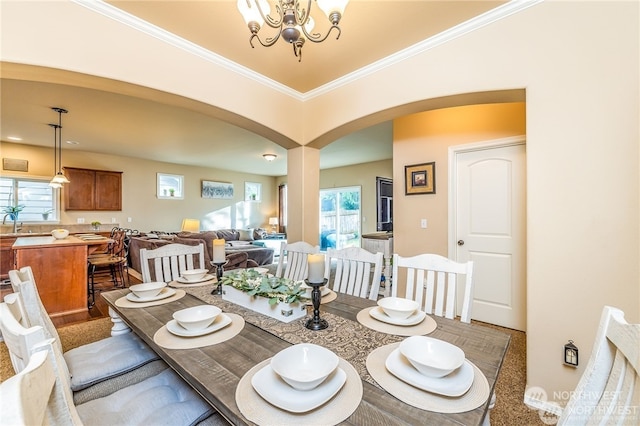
[[241, 248]]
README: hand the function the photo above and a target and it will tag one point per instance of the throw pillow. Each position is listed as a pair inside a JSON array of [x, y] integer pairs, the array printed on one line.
[[246, 234]]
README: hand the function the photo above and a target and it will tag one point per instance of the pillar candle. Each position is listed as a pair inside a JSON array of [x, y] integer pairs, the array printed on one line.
[[218, 251], [316, 268]]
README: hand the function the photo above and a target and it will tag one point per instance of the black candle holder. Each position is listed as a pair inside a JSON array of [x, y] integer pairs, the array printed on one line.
[[316, 323], [219, 272]]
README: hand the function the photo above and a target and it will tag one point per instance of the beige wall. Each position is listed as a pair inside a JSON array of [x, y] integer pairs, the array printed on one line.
[[426, 137], [577, 61], [139, 201]]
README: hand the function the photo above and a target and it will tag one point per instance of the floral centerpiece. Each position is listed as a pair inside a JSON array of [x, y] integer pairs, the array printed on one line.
[[279, 298]]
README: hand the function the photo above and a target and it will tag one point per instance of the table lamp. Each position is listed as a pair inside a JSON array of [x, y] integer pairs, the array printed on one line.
[[273, 221], [190, 225]]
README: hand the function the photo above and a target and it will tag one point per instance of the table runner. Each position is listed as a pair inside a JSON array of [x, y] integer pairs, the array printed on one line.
[[348, 339]]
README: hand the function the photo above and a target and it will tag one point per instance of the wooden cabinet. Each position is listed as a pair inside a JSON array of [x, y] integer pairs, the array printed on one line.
[[60, 271], [6, 256], [92, 189]]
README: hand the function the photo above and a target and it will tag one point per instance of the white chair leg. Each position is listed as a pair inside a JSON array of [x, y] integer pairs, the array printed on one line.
[[119, 326], [487, 418]]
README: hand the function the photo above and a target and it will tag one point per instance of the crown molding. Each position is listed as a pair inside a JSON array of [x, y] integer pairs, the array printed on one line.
[[466, 27]]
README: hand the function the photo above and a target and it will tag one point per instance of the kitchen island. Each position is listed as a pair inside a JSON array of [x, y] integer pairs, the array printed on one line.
[[59, 268]]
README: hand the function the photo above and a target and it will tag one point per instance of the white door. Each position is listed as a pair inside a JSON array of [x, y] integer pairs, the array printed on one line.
[[490, 229]]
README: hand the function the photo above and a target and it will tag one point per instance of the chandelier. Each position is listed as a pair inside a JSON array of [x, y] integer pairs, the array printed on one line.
[[59, 177], [293, 22]]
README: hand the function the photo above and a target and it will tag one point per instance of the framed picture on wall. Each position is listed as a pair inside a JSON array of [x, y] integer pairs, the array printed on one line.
[[211, 189], [420, 179]]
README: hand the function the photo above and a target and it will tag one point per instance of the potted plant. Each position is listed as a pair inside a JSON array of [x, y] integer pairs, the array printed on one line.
[[172, 192], [95, 225], [13, 211], [45, 214], [279, 298]]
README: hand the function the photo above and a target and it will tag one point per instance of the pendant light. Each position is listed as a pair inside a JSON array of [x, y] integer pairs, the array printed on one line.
[[59, 177]]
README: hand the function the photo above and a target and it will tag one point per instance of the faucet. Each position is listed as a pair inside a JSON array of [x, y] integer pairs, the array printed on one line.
[[16, 228]]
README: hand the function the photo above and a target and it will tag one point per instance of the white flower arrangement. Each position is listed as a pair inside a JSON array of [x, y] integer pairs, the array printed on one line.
[[254, 283]]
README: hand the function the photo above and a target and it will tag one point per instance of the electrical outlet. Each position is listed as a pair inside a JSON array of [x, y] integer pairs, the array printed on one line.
[[113, 220], [423, 223], [80, 220], [129, 219]]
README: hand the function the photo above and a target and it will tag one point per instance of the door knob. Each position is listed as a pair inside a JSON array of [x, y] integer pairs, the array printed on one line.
[[460, 242]]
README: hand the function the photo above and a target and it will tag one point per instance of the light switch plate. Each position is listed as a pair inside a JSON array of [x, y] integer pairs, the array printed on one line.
[[423, 223]]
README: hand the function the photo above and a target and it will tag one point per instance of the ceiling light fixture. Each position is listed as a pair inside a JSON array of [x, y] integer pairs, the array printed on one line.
[[59, 177], [292, 21], [269, 157]]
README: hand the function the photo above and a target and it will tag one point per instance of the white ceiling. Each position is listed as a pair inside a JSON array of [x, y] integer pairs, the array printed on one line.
[[163, 128]]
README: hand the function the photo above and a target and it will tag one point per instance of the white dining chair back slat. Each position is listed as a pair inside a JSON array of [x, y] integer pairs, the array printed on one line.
[[609, 389], [431, 280], [25, 396], [292, 262], [170, 261], [357, 271], [20, 340]]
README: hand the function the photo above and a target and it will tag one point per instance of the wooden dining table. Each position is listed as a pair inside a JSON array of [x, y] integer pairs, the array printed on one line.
[[216, 370]]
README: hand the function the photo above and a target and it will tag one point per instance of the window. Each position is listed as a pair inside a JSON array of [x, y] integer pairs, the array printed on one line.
[[340, 218], [170, 186], [36, 195]]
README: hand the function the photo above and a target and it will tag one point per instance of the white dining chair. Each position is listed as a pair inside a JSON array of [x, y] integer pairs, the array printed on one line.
[[609, 389], [431, 280], [357, 271], [90, 363], [163, 398], [168, 262], [292, 262]]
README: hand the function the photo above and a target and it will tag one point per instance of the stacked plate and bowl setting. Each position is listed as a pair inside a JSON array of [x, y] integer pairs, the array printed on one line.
[[194, 276], [300, 378], [432, 365], [398, 311], [198, 321], [149, 292]]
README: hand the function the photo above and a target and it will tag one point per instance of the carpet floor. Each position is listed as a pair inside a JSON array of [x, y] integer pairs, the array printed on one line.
[[509, 409]]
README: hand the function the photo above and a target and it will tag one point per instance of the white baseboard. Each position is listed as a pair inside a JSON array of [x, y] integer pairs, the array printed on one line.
[[542, 405]]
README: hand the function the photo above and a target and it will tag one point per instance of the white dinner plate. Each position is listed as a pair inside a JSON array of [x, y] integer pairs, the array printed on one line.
[[207, 277], [219, 323], [164, 293], [415, 318], [277, 392], [454, 384]]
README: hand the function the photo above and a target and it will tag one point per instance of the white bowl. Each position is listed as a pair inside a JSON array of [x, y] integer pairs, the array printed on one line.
[[432, 357], [194, 274], [304, 366], [197, 317], [59, 234], [398, 307], [147, 290]]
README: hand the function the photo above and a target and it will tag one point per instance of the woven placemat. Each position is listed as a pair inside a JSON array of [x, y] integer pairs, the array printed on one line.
[[329, 297], [334, 411], [472, 399], [177, 284], [167, 340], [425, 327], [123, 302]]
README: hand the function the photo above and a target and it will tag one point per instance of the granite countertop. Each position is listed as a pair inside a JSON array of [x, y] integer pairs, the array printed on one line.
[[379, 235]]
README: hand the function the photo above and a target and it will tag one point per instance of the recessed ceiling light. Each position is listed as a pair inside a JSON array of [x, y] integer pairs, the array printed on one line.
[[73, 143], [14, 138]]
